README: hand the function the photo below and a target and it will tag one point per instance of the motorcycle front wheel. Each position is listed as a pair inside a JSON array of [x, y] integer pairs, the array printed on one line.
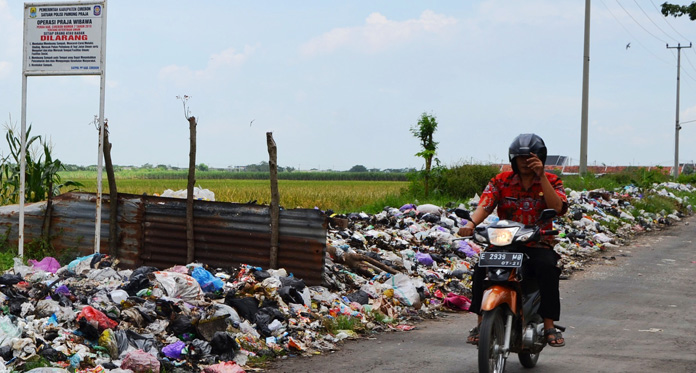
[[491, 358]]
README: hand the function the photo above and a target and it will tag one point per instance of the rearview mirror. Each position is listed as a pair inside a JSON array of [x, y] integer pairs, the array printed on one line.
[[461, 213], [547, 214]]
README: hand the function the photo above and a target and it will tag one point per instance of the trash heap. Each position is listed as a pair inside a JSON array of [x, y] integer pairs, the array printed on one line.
[[382, 272]]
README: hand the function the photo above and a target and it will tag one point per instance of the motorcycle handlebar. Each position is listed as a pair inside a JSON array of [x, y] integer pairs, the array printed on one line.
[[549, 232]]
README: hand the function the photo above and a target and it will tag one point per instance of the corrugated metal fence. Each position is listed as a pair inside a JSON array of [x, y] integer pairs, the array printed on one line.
[[152, 231]]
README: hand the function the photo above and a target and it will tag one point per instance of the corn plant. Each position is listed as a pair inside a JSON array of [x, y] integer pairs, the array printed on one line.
[[42, 177]]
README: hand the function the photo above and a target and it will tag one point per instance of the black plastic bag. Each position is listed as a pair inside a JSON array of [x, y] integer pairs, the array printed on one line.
[[259, 276], [224, 345], [181, 325], [16, 304], [264, 317], [52, 355], [10, 279], [245, 307], [88, 330], [199, 349], [6, 352], [297, 283], [144, 270], [290, 295], [359, 296], [135, 284]]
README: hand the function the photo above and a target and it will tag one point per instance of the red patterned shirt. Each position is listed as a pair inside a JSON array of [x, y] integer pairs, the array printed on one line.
[[505, 192]]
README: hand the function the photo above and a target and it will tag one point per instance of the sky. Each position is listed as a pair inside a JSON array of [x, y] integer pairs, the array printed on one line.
[[340, 83]]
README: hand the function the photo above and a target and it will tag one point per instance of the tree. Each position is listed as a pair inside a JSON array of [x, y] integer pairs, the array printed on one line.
[[203, 167], [679, 10], [358, 168], [424, 130]]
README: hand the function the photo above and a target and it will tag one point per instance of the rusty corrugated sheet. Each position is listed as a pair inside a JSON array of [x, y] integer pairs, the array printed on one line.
[[153, 232], [229, 234]]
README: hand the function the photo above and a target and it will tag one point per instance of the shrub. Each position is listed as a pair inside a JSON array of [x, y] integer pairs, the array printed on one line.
[[464, 181]]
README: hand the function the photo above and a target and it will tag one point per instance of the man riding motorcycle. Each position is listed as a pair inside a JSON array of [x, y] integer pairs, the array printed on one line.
[[520, 195]]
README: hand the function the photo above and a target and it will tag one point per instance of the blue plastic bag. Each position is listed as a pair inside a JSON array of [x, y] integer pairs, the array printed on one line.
[[207, 281]]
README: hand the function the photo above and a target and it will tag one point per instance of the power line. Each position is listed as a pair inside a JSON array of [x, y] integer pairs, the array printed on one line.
[[632, 36], [651, 21], [638, 23], [690, 64], [667, 22]]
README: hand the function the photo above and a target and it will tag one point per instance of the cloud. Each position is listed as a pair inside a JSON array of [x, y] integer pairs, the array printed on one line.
[[218, 64], [378, 32], [687, 115], [5, 68]]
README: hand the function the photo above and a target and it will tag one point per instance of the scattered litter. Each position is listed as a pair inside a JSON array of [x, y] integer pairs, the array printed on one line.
[[382, 272]]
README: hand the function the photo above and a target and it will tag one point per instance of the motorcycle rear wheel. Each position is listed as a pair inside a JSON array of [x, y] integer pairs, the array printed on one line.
[[527, 359], [491, 358]]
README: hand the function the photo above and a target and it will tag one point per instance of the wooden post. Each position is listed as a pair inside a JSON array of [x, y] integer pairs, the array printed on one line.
[[275, 198], [190, 243], [113, 196]]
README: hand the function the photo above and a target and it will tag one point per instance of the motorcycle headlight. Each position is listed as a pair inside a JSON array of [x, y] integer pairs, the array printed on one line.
[[501, 236]]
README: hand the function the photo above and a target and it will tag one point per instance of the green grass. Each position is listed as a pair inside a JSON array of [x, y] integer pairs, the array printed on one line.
[[342, 322], [337, 195]]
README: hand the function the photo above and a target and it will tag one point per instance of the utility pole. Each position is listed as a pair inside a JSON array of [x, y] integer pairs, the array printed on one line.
[[585, 92], [677, 127]]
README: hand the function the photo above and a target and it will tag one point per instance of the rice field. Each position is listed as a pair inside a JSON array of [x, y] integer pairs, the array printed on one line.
[[340, 196]]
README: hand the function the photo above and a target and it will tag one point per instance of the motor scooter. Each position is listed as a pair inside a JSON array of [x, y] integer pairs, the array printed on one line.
[[511, 299]]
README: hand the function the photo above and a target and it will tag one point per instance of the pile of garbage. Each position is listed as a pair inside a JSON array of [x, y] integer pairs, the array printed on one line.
[[383, 272]]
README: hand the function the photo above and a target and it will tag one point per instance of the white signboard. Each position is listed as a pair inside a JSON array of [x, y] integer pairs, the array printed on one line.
[[63, 38]]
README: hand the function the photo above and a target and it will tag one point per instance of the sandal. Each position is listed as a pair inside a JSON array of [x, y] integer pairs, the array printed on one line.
[[553, 336], [473, 337]]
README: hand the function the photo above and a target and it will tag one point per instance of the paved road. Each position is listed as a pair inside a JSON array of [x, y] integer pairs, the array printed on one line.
[[636, 313]]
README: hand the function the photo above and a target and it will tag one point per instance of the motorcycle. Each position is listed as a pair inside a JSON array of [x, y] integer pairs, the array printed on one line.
[[510, 321]]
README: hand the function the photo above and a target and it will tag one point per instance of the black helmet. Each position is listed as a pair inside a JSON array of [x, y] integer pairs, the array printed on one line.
[[523, 145]]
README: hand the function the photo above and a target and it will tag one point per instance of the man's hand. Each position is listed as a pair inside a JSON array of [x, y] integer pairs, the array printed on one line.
[[466, 230], [534, 163]]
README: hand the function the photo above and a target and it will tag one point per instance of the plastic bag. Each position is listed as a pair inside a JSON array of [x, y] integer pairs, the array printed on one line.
[[81, 264], [178, 285], [119, 296], [404, 290], [8, 331], [224, 367], [108, 341], [47, 264], [206, 280], [174, 350], [457, 302], [198, 193], [424, 259], [464, 248], [140, 361], [93, 315], [429, 209]]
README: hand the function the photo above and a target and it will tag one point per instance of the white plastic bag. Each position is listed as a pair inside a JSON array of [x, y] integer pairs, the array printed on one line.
[[405, 290]]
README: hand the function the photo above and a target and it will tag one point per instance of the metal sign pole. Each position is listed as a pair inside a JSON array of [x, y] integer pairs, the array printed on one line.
[[100, 157], [64, 38], [22, 166]]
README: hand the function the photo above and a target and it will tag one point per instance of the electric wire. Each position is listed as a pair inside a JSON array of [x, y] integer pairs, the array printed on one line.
[[653, 22], [685, 73], [667, 22], [638, 23], [633, 37], [693, 50]]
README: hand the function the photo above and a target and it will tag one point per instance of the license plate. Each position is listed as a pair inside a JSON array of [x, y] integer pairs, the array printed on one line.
[[493, 259]]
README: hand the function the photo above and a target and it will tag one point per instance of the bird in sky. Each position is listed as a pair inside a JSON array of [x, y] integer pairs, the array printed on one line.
[[628, 45]]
